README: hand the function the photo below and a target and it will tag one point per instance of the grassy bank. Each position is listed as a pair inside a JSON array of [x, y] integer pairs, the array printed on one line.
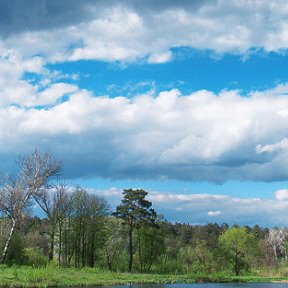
[[45, 277]]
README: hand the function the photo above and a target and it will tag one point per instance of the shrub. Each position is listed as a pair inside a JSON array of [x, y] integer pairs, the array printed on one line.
[[34, 257]]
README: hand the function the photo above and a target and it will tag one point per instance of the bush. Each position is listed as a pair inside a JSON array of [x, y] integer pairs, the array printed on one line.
[[15, 253], [34, 257]]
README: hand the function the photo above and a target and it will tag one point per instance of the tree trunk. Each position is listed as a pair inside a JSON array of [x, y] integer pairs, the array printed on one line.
[[92, 249], [275, 252], [60, 244], [51, 250], [139, 251], [83, 250], [236, 267], [130, 249], [5, 250], [108, 260]]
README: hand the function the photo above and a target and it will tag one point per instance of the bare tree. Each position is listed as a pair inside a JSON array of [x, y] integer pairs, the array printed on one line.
[[35, 171], [54, 201], [277, 239]]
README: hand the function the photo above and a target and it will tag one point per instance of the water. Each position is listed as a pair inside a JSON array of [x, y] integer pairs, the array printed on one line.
[[206, 285]]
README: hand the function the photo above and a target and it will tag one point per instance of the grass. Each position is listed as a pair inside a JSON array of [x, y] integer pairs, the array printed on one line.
[[24, 276]]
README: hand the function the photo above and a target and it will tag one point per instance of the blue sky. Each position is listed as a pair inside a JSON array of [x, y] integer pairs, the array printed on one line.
[[186, 99], [190, 70]]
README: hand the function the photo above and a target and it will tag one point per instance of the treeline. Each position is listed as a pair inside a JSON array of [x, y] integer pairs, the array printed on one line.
[[102, 241], [79, 230]]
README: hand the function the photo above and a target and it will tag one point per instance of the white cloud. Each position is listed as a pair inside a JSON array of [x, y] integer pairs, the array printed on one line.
[[53, 93], [192, 208], [214, 213], [158, 58], [281, 195], [17, 89], [169, 197], [202, 136], [126, 32], [283, 144]]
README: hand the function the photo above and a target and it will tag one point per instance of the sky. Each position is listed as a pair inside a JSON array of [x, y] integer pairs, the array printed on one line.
[[185, 99]]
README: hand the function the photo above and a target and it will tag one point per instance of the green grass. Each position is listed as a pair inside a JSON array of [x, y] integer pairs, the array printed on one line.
[[61, 277]]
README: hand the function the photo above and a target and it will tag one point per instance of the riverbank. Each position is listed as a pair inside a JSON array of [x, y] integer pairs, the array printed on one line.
[[61, 277]]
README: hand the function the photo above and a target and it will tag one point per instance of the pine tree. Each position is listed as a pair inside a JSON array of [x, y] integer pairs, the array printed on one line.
[[136, 212]]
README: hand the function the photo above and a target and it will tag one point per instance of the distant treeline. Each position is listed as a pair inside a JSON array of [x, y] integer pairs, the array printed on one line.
[[80, 231]]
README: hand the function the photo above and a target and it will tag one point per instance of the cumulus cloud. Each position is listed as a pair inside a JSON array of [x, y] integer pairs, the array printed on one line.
[[283, 144], [281, 195], [158, 58], [214, 213], [16, 89], [53, 93], [129, 30], [202, 136]]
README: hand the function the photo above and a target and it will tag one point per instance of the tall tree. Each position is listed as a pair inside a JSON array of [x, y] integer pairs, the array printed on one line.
[[98, 210], [54, 202], [87, 223], [150, 245], [35, 171], [80, 215], [114, 243], [136, 211]]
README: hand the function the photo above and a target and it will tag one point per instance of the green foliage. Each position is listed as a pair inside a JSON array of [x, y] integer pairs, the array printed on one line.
[[135, 209], [136, 212], [82, 230], [198, 260], [34, 257], [114, 251], [16, 253], [238, 246], [85, 236], [150, 245]]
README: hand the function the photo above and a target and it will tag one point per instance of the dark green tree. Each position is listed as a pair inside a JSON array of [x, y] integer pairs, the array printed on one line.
[[136, 212]]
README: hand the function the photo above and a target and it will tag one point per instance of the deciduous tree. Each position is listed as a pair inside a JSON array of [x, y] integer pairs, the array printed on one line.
[[237, 244], [35, 171], [54, 201]]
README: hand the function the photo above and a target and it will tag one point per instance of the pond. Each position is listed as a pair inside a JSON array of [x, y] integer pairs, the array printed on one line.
[[206, 285]]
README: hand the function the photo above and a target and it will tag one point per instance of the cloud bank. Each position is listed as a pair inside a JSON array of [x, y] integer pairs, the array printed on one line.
[[214, 208], [129, 30], [201, 136]]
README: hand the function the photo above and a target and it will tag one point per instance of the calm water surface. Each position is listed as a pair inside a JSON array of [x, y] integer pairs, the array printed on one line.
[[208, 285]]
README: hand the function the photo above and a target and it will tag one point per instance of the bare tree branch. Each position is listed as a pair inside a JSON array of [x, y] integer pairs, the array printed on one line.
[[35, 172]]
